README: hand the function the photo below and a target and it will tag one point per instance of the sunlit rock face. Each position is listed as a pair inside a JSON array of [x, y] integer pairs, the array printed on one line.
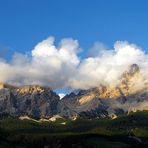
[[31, 89], [129, 93], [33, 100]]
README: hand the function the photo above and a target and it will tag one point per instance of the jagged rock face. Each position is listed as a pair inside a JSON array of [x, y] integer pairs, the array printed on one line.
[[129, 94], [35, 101]]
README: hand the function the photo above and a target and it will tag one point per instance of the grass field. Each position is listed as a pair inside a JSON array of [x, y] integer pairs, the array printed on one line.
[[124, 131]]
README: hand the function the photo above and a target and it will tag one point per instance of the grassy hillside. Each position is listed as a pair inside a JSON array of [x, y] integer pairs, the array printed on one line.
[[125, 131]]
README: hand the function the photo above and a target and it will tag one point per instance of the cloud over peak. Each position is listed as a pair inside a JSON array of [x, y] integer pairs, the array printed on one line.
[[61, 66]]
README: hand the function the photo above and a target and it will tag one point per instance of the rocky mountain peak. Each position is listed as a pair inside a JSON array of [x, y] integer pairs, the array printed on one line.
[[5, 85], [107, 100], [32, 89], [30, 100], [126, 95], [134, 68]]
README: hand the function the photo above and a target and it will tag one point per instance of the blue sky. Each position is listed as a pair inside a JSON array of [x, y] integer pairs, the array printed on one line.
[[23, 23]]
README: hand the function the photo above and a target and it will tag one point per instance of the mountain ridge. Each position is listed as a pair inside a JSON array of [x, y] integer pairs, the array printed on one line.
[[130, 93], [127, 95]]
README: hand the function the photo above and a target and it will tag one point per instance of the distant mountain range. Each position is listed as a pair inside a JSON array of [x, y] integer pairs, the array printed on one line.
[[129, 94]]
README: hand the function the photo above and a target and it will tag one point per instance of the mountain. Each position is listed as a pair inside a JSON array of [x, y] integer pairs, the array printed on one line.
[[32, 100], [129, 93]]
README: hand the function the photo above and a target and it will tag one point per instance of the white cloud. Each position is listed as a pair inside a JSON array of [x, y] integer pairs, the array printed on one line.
[[97, 50], [61, 67]]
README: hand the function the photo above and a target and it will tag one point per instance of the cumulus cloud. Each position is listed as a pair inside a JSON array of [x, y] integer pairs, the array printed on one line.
[[60, 67], [97, 50]]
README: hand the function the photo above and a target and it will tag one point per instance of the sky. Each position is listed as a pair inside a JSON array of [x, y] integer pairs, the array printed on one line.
[[25, 23]]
